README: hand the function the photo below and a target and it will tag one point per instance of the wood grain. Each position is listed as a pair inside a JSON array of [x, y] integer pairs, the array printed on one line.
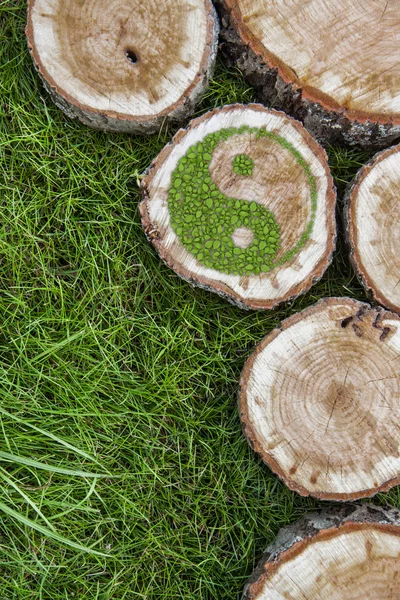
[[319, 400], [124, 64], [373, 229], [332, 64], [290, 180], [342, 553]]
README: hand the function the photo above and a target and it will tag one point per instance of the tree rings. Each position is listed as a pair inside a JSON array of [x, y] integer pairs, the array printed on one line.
[[374, 228], [333, 65], [124, 65], [242, 203], [319, 400], [344, 553]]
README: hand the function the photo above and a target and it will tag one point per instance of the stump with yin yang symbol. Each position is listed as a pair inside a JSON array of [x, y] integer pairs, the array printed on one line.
[[242, 203]]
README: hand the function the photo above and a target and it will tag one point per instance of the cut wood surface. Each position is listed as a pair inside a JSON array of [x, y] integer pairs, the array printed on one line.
[[124, 65], [334, 65], [373, 227], [346, 553], [242, 203], [319, 400]]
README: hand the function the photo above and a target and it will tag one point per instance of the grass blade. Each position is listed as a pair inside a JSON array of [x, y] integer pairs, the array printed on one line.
[[26, 498], [30, 462], [48, 532], [49, 435]]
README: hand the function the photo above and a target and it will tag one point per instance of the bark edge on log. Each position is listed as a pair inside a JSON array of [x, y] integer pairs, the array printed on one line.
[[329, 123], [314, 524], [223, 290], [358, 310], [179, 112], [350, 226]]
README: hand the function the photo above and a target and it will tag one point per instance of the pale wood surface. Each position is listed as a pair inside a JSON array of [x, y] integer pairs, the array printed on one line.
[[344, 50], [357, 564], [319, 400], [332, 65], [344, 554], [374, 227], [126, 59], [278, 183]]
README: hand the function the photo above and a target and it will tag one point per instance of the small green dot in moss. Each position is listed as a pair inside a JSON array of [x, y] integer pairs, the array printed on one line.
[[243, 165]]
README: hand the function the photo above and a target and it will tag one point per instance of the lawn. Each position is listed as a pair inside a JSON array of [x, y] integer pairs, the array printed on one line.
[[124, 472]]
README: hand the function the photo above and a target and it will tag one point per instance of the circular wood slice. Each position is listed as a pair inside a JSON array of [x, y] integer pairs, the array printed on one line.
[[338, 554], [373, 227], [320, 400], [124, 65], [333, 65], [242, 203]]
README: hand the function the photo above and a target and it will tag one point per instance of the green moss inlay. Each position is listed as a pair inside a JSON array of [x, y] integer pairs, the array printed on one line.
[[243, 165], [204, 218]]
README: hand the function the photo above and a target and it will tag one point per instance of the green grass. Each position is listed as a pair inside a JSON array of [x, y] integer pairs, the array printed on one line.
[[124, 471]]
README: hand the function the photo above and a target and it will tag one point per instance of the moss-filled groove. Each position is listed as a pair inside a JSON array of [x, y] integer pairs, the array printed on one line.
[[205, 219]]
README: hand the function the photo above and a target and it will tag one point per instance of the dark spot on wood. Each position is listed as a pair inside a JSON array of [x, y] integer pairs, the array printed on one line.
[[293, 470], [131, 56], [357, 330], [385, 333], [314, 477], [346, 322], [79, 27], [377, 322], [362, 312]]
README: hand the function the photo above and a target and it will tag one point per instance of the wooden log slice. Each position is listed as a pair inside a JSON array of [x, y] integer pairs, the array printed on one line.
[[124, 65], [242, 203], [332, 65], [346, 553], [373, 227], [320, 400]]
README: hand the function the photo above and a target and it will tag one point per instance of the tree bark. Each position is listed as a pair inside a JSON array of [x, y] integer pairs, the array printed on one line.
[[373, 230], [128, 65], [349, 552], [242, 203], [319, 400], [332, 65]]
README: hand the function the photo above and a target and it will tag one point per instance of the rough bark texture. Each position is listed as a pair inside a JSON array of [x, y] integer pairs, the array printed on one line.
[[319, 400], [242, 203], [124, 65], [363, 578], [331, 121], [372, 227]]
